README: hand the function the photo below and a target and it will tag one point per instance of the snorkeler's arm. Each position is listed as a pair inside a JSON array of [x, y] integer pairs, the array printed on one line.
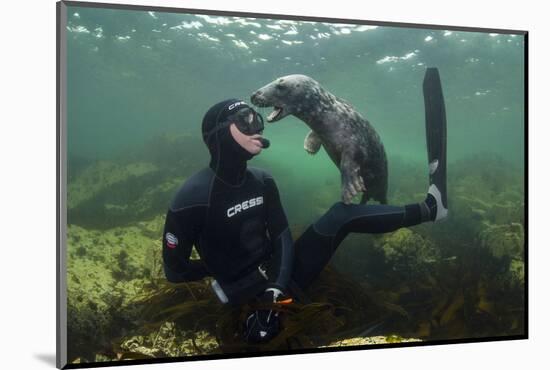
[[279, 232], [178, 239]]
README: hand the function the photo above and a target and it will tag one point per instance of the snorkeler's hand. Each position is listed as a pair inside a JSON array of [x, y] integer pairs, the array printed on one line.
[[275, 295]]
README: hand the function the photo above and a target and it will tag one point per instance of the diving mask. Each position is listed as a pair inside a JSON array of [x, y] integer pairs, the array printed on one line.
[[247, 120]]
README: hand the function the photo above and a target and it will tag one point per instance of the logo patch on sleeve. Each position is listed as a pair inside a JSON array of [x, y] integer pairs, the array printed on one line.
[[171, 240]]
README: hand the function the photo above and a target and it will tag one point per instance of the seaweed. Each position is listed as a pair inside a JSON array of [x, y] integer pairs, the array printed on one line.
[[339, 309]]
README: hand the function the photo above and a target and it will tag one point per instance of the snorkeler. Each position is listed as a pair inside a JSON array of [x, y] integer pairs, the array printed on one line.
[[233, 216]]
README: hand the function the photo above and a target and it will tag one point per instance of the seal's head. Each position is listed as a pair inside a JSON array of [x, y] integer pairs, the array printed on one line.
[[292, 94]]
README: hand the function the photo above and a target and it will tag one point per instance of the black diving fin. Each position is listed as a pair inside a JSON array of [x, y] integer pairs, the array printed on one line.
[[436, 138]]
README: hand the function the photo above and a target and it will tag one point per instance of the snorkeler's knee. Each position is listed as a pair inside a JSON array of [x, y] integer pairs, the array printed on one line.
[[332, 220]]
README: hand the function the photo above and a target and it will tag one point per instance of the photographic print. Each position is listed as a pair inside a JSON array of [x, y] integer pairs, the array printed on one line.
[[236, 185]]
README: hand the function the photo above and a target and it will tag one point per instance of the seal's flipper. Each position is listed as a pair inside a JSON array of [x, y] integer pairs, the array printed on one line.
[[312, 143], [436, 138]]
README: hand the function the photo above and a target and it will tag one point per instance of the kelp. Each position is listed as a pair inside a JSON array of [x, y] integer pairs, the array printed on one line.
[[339, 308]]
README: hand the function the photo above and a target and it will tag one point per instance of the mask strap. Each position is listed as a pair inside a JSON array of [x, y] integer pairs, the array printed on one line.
[[217, 128], [215, 131]]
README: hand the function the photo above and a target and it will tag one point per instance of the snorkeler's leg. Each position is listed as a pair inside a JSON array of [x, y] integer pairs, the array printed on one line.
[[314, 248], [312, 251]]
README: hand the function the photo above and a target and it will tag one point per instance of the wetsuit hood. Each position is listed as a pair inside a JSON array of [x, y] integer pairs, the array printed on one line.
[[227, 158]]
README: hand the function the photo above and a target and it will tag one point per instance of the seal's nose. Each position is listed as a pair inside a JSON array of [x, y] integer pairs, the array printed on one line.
[[255, 96]]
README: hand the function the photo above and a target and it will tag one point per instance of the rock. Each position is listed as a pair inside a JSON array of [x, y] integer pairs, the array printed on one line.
[[505, 240], [100, 176], [517, 272], [407, 251], [109, 195], [169, 341], [106, 271]]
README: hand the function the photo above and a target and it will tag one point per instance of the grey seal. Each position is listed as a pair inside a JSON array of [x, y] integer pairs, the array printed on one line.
[[349, 139]]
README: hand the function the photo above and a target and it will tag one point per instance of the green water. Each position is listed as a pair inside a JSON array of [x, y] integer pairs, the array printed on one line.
[[133, 75], [139, 83]]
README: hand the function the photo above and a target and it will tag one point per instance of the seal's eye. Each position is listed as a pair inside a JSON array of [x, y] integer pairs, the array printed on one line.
[[280, 87]]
